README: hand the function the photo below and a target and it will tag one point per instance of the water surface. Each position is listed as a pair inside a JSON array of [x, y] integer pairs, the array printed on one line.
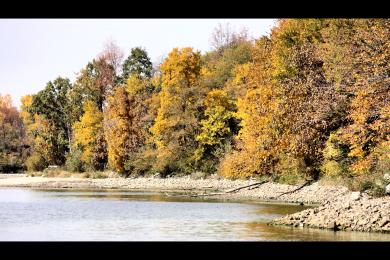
[[69, 215]]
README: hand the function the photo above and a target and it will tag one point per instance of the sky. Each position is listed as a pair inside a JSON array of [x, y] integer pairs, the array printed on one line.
[[35, 51]]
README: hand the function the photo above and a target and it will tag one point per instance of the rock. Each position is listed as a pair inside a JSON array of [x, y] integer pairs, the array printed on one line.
[[347, 205], [386, 177], [387, 189], [198, 175], [375, 218], [355, 195], [384, 221]]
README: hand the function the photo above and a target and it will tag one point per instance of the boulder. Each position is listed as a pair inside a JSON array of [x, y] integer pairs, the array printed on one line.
[[331, 225], [355, 195], [386, 176], [157, 175], [347, 205], [198, 175], [387, 189], [384, 221]]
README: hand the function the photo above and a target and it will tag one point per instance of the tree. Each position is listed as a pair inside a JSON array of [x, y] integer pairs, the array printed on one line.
[[217, 128], [177, 124], [126, 124], [39, 137], [89, 136], [113, 55], [11, 136], [95, 82], [256, 147], [223, 36], [53, 106], [369, 110], [220, 63], [310, 106], [138, 63]]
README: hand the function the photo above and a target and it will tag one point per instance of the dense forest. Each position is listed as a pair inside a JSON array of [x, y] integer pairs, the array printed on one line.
[[309, 100]]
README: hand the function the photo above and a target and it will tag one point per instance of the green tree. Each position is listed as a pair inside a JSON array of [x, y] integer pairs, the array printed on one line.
[[52, 104], [95, 83], [138, 63]]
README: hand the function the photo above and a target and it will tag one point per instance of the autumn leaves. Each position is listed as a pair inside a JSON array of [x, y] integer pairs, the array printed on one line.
[[311, 98]]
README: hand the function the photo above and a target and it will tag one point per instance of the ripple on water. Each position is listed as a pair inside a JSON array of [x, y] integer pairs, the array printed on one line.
[[28, 214]]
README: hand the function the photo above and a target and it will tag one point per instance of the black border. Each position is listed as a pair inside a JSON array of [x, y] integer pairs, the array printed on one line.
[[194, 250], [195, 9]]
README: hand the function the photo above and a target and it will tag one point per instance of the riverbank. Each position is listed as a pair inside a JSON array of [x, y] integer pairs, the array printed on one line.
[[357, 212], [186, 186], [337, 207]]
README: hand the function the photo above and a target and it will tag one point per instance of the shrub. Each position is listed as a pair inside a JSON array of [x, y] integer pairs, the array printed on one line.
[[373, 184], [198, 175], [382, 158], [140, 163], [97, 175], [336, 161], [332, 168], [289, 170], [235, 166], [36, 162], [238, 165], [74, 162], [55, 172], [10, 166]]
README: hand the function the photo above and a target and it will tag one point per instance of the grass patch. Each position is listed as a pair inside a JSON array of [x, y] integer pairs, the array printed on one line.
[[61, 173], [373, 184], [291, 178]]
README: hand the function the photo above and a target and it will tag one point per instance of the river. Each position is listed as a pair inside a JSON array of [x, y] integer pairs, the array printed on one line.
[[84, 215]]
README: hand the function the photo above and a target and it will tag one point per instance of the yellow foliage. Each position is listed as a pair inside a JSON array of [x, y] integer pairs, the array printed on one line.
[[86, 131], [176, 122], [257, 108]]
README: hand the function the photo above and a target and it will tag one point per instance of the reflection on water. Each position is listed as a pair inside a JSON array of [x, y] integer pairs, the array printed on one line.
[[27, 214]]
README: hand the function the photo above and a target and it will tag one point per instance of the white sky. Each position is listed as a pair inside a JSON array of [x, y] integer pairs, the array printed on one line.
[[35, 51]]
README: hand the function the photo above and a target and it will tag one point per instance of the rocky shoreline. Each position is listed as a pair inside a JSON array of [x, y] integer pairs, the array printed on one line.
[[354, 212], [337, 207]]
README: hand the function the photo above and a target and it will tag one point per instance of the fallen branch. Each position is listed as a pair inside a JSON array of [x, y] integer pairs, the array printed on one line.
[[297, 189], [206, 194], [250, 186], [246, 186]]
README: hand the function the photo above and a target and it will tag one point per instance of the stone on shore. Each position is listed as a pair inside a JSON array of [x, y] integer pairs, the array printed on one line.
[[353, 212], [355, 195], [387, 189]]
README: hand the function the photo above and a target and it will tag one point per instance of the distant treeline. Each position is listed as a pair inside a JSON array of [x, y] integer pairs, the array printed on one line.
[[310, 99]]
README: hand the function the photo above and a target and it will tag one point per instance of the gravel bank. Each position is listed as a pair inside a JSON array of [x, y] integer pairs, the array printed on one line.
[[353, 212]]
